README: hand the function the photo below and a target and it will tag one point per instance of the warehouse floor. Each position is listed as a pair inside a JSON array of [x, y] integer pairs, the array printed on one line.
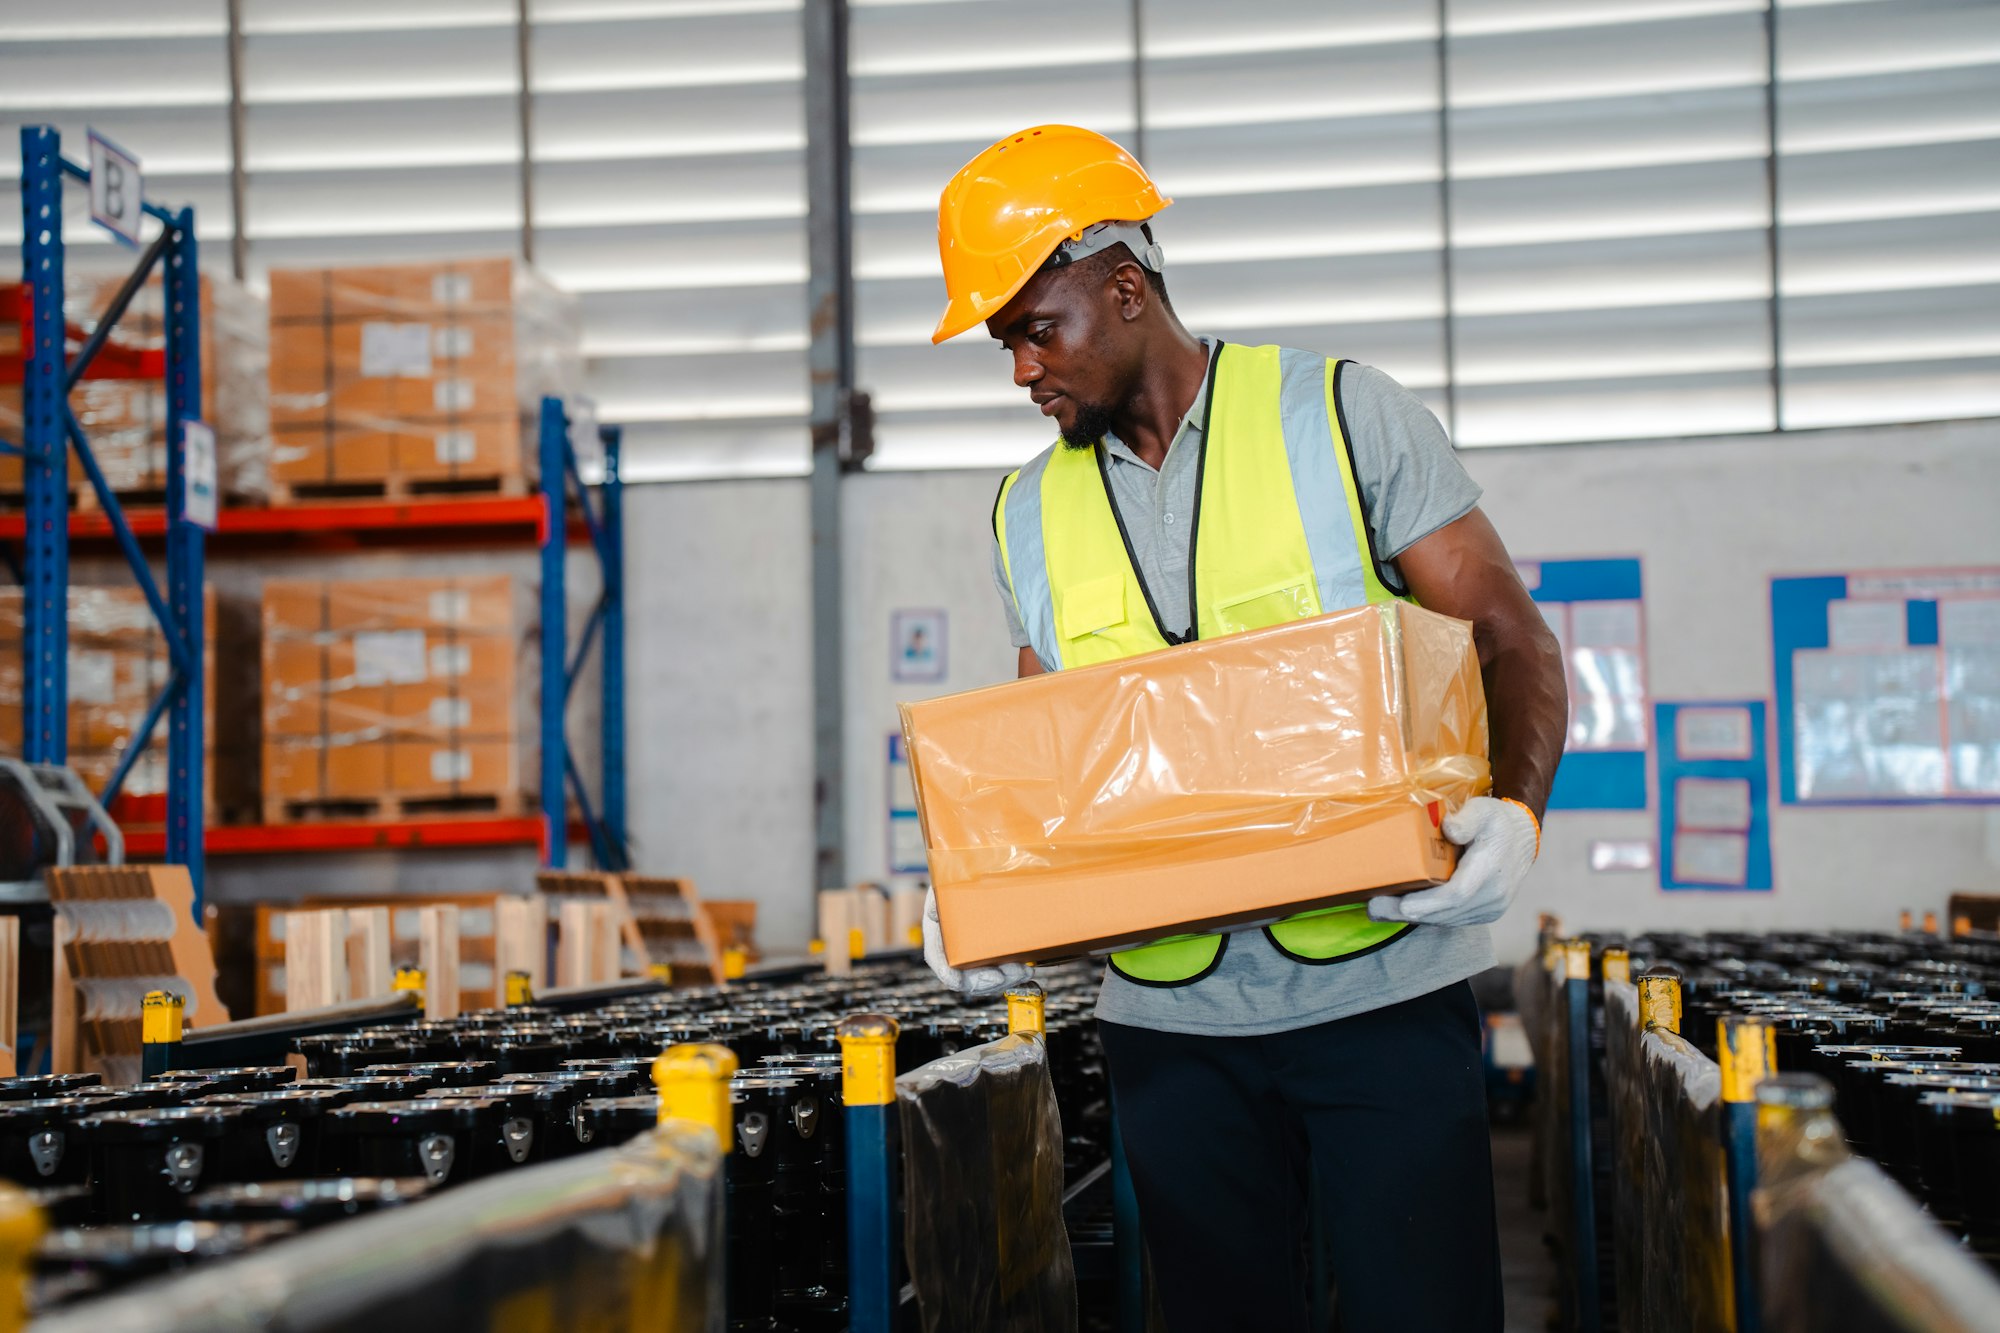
[[1525, 1266]]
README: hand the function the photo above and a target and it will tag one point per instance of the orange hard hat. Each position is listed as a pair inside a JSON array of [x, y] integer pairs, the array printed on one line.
[[1007, 210]]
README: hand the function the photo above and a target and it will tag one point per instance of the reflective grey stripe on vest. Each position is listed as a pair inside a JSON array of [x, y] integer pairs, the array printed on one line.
[[1322, 495], [1026, 563]]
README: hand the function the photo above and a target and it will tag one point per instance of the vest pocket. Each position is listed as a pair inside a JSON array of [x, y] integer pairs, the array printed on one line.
[[1092, 605], [1291, 599]]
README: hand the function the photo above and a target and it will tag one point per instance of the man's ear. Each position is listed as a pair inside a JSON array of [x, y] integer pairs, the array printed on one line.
[[1129, 282]]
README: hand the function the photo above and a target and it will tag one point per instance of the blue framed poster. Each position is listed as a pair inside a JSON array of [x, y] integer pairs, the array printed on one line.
[[1715, 796], [1888, 687], [1596, 610]]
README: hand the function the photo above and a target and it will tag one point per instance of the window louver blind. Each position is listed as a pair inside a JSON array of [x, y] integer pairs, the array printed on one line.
[[1560, 232], [151, 75], [1608, 237]]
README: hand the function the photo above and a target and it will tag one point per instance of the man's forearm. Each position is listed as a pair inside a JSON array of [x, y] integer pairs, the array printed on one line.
[[1527, 707]]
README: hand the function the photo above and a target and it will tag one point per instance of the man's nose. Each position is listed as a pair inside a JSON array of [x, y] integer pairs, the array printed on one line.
[[1027, 371]]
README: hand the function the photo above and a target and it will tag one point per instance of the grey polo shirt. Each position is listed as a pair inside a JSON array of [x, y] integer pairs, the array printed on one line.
[[1412, 484]]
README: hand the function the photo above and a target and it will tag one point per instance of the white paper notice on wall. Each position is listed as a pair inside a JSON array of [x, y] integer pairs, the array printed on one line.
[[1852, 625], [1722, 859], [391, 349], [1969, 622], [1604, 624], [93, 677], [1718, 804], [389, 657], [450, 766], [1713, 733], [1614, 854]]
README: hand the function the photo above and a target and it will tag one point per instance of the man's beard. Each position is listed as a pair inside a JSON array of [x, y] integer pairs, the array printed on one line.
[[1093, 423]]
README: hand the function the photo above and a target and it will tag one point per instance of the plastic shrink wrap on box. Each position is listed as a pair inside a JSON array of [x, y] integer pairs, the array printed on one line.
[[982, 1192], [122, 407], [430, 374], [118, 664], [1215, 783], [403, 689]]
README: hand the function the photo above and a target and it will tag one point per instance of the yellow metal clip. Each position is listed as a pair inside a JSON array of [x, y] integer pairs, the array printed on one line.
[[1576, 959], [1746, 1047], [1660, 1002], [1026, 1015], [734, 963], [161, 1018], [868, 1059], [1618, 965], [693, 1083], [857, 942], [409, 979], [22, 1225], [520, 989], [661, 972]]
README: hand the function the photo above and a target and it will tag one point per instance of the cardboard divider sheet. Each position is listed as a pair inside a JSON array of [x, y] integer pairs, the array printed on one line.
[[1213, 784]]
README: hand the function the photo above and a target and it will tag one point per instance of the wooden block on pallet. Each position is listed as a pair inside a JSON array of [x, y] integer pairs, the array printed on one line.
[[10, 981], [437, 955], [315, 959], [587, 943], [610, 889], [521, 941], [836, 927], [369, 973], [872, 906], [906, 917]]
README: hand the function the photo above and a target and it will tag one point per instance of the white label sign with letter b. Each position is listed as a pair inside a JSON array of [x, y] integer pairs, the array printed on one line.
[[117, 192]]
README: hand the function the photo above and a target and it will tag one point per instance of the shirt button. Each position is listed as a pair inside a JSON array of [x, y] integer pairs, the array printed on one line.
[[1170, 518]]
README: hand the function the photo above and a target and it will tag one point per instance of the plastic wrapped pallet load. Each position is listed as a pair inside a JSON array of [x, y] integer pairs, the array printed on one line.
[[1211, 785]]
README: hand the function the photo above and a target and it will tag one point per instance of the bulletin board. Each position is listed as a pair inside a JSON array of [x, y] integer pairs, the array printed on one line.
[[1715, 800], [906, 834], [1597, 611], [1888, 687]]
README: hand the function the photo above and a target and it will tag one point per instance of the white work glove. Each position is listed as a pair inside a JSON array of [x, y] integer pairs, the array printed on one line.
[[975, 981], [1501, 841]]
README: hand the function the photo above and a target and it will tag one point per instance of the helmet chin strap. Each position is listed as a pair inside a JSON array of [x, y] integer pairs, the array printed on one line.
[[1134, 236]]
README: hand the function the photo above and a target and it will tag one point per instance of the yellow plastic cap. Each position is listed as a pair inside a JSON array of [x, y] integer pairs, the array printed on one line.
[[1007, 210]]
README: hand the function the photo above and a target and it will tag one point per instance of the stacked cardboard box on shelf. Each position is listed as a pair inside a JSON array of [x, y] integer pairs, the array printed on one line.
[[124, 416], [413, 379], [390, 697], [118, 664]]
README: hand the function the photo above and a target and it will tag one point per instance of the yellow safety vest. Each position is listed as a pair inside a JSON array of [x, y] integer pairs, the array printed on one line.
[[1280, 534]]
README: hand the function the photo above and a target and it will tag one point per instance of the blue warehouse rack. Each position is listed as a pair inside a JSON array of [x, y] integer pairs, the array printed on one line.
[[561, 478], [50, 430]]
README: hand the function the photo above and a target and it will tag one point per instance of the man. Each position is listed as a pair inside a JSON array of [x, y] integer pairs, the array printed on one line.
[[1331, 1060]]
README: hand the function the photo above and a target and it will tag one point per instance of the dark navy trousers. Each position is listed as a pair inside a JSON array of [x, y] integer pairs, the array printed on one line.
[[1378, 1121]]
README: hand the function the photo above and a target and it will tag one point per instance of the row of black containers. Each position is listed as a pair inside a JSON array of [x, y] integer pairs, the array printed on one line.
[[200, 1164], [1905, 1027]]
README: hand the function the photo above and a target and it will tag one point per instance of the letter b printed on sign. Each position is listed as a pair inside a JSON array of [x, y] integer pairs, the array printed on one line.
[[117, 190]]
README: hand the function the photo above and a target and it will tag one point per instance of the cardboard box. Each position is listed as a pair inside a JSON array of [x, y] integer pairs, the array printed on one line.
[[416, 372], [1213, 785], [391, 690], [117, 665]]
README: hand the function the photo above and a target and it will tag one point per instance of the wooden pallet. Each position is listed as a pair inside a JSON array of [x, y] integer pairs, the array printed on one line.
[[663, 920], [504, 485], [481, 930], [390, 808]]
